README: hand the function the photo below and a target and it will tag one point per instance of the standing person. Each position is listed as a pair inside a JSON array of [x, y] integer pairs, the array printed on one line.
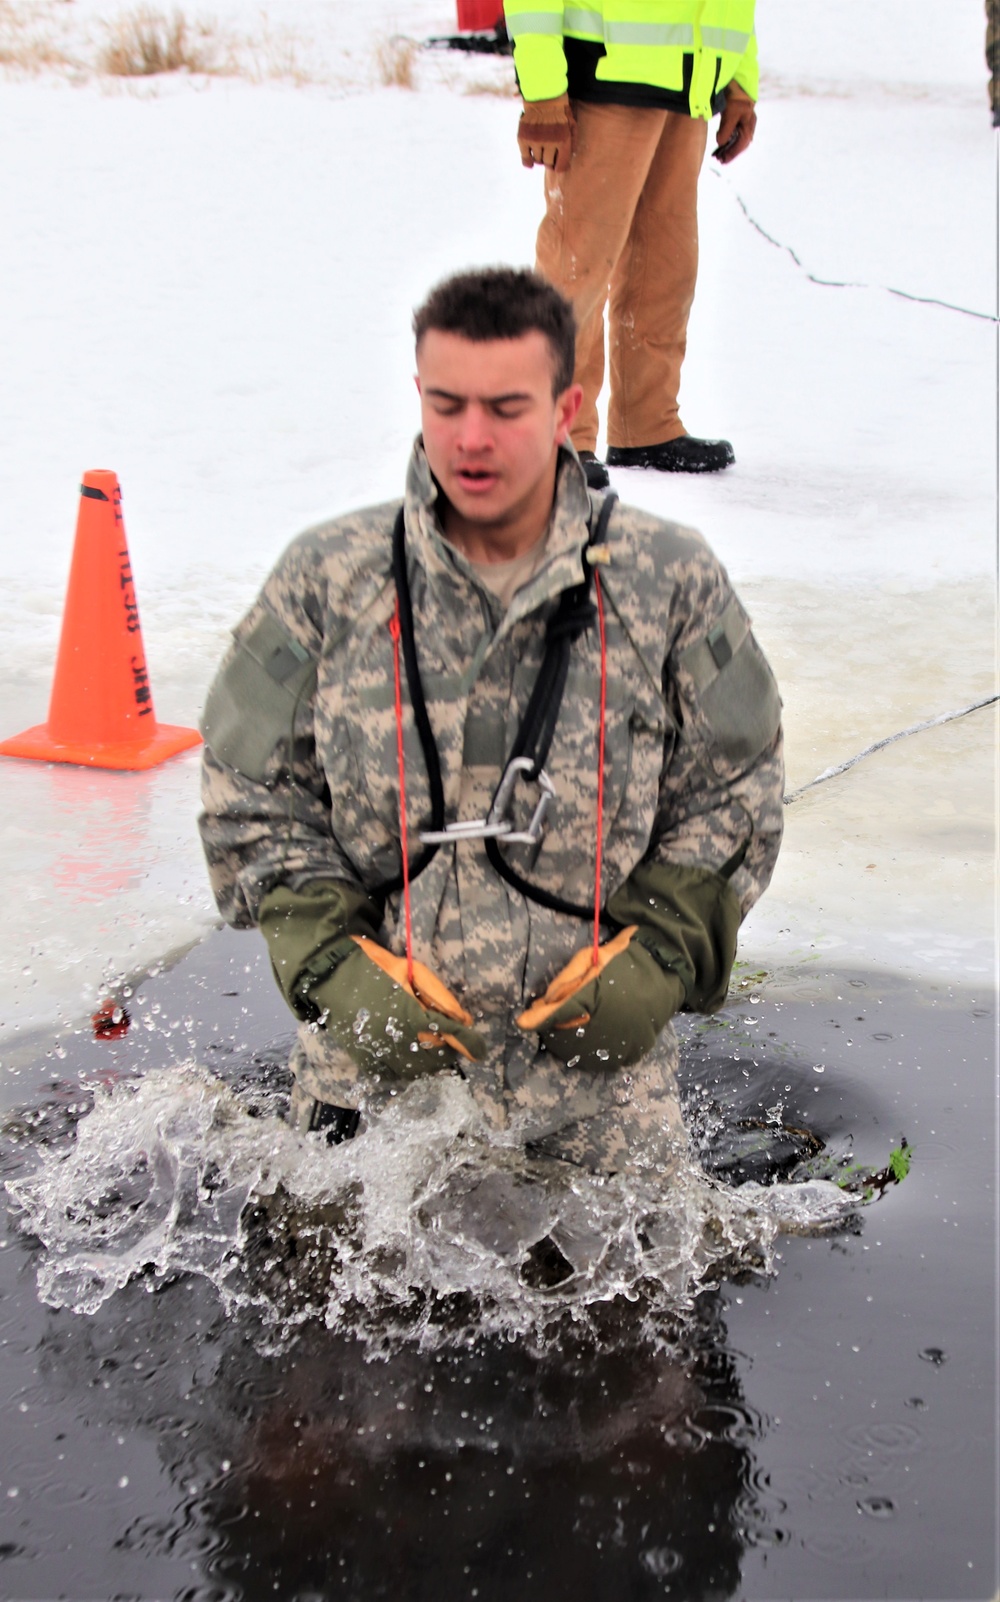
[[618, 95], [496, 769]]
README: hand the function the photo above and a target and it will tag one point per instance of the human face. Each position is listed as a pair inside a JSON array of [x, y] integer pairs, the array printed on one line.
[[492, 430]]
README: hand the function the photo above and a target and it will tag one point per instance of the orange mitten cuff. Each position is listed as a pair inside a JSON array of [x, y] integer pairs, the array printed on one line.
[[427, 989], [579, 971]]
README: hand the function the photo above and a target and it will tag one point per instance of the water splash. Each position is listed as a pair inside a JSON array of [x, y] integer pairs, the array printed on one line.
[[429, 1227]]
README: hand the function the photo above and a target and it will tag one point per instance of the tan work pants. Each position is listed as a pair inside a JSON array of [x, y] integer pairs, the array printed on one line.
[[624, 219]]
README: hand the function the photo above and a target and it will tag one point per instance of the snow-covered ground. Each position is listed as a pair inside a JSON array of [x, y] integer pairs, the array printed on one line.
[[206, 285]]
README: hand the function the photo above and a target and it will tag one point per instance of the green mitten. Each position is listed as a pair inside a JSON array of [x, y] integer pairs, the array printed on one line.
[[333, 973], [605, 1014], [370, 1008]]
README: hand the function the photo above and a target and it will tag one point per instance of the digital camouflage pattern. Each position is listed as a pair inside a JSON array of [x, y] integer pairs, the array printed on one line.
[[301, 781]]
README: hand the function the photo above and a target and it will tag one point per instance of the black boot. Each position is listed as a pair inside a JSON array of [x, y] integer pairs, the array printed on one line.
[[597, 473], [682, 455], [339, 1123]]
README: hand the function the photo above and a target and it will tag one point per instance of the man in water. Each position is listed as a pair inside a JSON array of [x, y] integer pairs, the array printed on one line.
[[497, 770]]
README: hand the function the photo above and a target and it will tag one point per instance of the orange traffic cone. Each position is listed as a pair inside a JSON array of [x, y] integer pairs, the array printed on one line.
[[101, 709]]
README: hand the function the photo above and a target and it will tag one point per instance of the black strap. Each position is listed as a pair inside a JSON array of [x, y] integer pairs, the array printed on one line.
[[428, 744], [574, 613]]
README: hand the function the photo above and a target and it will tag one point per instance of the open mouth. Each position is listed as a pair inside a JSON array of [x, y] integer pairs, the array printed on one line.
[[476, 479]]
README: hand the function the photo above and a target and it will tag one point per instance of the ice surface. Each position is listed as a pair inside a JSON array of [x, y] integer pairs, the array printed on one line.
[[206, 285]]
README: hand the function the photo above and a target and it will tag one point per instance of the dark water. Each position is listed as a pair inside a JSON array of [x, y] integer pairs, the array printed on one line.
[[827, 1430]]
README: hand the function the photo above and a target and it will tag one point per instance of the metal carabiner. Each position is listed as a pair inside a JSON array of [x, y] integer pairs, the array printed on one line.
[[467, 829], [505, 793], [496, 825]]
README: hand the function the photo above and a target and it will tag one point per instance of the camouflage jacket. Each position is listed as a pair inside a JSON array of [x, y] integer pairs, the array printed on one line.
[[300, 767]]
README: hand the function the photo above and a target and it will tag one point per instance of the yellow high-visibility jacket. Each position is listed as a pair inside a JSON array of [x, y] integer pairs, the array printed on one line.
[[645, 41]]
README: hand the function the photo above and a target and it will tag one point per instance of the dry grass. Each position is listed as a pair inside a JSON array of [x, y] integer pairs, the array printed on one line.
[[25, 43], [44, 35], [145, 42], [396, 61], [152, 39], [271, 54]]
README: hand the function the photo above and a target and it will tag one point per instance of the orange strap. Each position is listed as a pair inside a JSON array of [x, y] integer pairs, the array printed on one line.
[[394, 630], [600, 768]]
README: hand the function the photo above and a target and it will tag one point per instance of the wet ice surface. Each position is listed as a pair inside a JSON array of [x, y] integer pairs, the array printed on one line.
[[816, 1429]]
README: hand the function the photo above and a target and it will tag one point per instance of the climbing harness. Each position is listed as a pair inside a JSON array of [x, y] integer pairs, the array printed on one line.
[[574, 613]]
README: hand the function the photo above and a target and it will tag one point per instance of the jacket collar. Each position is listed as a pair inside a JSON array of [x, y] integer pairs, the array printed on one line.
[[562, 565]]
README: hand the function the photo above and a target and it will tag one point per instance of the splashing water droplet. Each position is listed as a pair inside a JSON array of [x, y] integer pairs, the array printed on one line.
[[179, 1173], [877, 1507], [357, 1027], [661, 1561]]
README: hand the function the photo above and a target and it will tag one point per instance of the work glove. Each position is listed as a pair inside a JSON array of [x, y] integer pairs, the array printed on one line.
[[737, 125], [606, 1014], [546, 132], [334, 974]]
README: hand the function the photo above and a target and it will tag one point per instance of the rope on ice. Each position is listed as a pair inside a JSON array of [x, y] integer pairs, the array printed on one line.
[[890, 739], [836, 283]]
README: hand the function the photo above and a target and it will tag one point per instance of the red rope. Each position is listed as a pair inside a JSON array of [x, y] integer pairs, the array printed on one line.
[[394, 630], [600, 769]]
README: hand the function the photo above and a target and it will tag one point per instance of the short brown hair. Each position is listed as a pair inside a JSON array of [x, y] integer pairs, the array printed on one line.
[[503, 303]]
